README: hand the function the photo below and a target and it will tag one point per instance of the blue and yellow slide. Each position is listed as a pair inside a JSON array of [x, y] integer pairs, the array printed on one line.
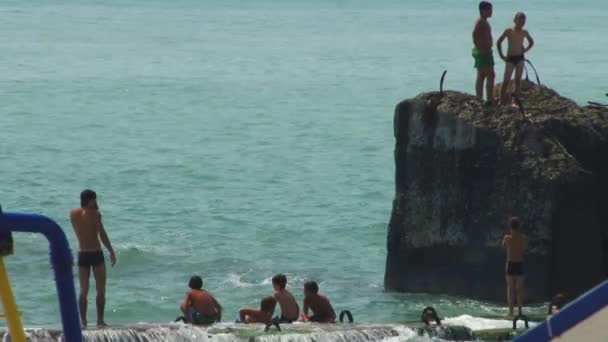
[[62, 262]]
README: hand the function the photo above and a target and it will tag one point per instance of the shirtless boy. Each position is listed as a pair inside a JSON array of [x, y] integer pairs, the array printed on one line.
[[200, 307], [263, 315], [290, 311], [322, 310], [89, 230], [482, 52], [515, 58], [515, 243]]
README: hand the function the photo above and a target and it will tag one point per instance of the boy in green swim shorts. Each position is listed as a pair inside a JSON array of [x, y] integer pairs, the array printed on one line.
[[482, 52]]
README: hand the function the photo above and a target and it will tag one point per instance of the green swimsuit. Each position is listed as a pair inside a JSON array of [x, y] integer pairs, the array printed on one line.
[[482, 59]]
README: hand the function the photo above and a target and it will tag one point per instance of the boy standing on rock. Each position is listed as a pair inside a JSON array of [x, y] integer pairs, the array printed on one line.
[[91, 234], [482, 52], [515, 244], [515, 58]]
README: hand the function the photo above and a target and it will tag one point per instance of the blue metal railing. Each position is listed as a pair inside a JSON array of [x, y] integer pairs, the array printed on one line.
[[61, 260], [569, 316]]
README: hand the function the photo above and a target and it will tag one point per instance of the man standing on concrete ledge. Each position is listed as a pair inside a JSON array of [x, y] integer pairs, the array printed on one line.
[[482, 52], [515, 243], [89, 230]]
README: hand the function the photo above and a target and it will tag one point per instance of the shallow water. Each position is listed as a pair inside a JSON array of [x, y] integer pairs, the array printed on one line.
[[237, 139]]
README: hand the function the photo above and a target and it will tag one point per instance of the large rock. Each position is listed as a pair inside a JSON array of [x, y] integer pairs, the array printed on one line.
[[462, 168]]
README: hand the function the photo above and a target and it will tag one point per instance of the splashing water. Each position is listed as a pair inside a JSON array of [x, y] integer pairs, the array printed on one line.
[[478, 323], [249, 333]]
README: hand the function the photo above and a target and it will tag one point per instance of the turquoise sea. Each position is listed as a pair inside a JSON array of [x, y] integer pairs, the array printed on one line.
[[238, 139]]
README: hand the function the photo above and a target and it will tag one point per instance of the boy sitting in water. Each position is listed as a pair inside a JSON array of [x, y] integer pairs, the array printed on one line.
[[263, 315], [322, 310], [289, 307], [199, 307], [515, 58]]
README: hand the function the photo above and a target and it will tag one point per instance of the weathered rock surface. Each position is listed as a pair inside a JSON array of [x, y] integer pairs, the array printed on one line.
[[462, 168]]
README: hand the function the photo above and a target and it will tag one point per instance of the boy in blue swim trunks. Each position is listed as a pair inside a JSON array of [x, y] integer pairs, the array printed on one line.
[[482, 52]]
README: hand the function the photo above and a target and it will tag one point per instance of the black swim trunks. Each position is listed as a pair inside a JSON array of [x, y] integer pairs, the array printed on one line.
[[286, 320], [515, 268], [320, 319], [516, 59], [90, 259]]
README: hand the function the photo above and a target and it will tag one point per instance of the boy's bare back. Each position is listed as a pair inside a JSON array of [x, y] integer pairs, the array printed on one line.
[[516, 244], [289, 307], [86, 226], [203, 302], [321, 307]]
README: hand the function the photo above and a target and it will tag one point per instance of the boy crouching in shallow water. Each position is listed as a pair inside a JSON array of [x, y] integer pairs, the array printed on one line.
[[263, 315], [322, 310], [199, 307], [515, 58], [290, 311]]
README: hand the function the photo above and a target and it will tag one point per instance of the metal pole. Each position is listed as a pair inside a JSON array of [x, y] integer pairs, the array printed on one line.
[[13, 321]]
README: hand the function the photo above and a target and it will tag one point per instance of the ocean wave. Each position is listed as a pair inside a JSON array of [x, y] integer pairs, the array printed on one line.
[[405, 334], [237, 281]]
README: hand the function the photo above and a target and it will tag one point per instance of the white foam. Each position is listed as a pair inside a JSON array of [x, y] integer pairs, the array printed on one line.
[[406, 334], [235, 279], [478, 323]]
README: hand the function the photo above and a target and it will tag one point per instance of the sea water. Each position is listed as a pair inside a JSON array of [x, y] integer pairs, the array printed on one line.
[[239, 139]]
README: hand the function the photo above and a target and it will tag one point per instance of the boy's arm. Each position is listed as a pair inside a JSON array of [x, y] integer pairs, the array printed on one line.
[[243, 315], [480, 36], [103, 236], [499, 44], [187, 301], [72, 215], [305, 310], [333, 313], [476, 38], [530, 42], [218, 308]]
